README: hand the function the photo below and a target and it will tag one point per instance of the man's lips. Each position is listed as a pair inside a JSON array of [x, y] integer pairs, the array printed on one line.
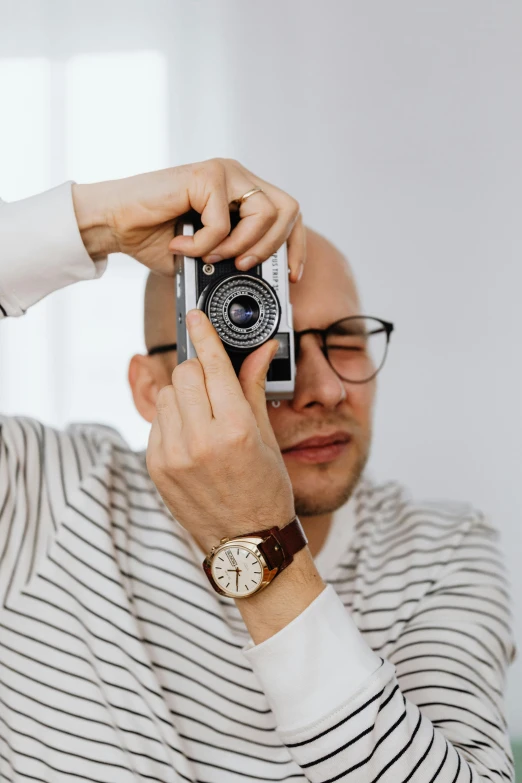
[[320, 448], [321, 440]]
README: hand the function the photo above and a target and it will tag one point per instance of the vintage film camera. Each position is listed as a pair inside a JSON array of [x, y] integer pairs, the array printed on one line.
[[246, 308]]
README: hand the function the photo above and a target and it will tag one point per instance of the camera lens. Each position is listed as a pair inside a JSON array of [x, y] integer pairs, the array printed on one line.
[[243, 311]]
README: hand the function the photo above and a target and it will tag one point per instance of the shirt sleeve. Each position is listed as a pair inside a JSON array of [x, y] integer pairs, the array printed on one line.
[[433, 711], [41, 249], [41, 474]]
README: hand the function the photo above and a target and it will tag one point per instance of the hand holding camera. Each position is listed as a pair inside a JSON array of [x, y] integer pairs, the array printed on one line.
[[136, 216], [212, 452]]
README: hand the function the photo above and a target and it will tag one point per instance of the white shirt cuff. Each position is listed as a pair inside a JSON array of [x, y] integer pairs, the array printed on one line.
[[41, 249], [314, 664]]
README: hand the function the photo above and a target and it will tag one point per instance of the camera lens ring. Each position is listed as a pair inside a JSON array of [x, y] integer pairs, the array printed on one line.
[[222, 296]]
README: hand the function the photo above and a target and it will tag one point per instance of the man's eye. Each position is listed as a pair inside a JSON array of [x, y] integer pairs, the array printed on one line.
[[360, 348]]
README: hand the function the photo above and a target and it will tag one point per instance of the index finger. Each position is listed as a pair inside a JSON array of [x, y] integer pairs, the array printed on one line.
[[215, 217], [223, 387]]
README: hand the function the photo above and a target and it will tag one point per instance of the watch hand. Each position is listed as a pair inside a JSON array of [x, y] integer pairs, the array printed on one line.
[[238, 571]]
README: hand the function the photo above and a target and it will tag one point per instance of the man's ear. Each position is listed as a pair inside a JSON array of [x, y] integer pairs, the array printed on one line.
[[147, 375]]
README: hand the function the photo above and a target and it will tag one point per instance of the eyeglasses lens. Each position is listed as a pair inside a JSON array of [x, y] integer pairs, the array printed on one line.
[[356, 348]]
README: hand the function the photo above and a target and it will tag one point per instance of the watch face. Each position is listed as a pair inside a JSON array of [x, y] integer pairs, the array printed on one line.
[[236, 570]]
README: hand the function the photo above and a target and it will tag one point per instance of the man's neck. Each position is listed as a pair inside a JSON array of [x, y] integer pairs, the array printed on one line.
[[316, 530]]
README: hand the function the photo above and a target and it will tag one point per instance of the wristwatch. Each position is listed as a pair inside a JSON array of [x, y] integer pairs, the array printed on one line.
[[243, 565]]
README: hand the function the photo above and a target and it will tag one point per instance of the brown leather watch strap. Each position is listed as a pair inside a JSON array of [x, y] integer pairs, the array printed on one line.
[[281, 543]]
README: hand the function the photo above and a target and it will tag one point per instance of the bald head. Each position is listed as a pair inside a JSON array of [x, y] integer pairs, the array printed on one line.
[[327, 272], [322, 253]]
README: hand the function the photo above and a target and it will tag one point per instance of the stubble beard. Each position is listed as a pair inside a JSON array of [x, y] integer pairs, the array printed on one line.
[[327, 502]]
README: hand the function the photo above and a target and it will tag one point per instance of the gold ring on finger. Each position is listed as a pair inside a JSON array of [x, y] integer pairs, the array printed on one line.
[[238, 201]]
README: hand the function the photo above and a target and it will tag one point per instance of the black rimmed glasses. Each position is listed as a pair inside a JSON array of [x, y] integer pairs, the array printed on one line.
[[355, 347]]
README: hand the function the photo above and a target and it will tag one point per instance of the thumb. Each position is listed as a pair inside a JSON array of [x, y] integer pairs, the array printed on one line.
[[252, 378]]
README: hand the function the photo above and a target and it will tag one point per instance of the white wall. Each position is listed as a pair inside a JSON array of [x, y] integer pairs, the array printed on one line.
[[397, 125]]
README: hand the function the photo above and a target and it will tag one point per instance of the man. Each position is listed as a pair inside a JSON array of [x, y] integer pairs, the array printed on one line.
[[379, 653]]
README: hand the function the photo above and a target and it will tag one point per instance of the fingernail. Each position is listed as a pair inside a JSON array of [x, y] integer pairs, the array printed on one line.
[[247, 262], [213, 259], [193, 317], [300, 273]]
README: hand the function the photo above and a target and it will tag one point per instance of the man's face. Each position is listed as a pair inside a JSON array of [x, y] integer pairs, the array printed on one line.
[[323, 477]]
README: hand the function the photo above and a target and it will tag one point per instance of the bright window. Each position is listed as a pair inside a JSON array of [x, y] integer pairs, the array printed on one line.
[[89, 118]]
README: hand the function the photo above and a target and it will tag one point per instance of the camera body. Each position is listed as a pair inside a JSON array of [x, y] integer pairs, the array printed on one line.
[[246, 308]]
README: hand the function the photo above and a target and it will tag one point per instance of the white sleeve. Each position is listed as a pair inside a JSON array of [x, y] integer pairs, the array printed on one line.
[[436, 713], [319, 642], [41, 249]]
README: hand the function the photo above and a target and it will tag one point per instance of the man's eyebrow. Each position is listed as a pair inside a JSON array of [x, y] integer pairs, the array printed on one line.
[[163, 348], [349, 326]]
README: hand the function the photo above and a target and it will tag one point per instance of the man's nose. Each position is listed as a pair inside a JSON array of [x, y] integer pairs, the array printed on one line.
[[316, 383]]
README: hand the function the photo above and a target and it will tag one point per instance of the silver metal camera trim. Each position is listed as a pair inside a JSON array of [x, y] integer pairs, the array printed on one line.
[[274, 271]]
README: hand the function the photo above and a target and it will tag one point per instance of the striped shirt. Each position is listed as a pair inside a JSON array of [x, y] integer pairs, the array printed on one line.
[[119, 662]]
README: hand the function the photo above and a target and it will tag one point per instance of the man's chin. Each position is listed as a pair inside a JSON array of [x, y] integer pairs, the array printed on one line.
[[323, 488], [316, 507]]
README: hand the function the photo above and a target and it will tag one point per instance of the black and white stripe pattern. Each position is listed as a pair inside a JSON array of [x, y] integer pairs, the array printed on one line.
[[118, 662]]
